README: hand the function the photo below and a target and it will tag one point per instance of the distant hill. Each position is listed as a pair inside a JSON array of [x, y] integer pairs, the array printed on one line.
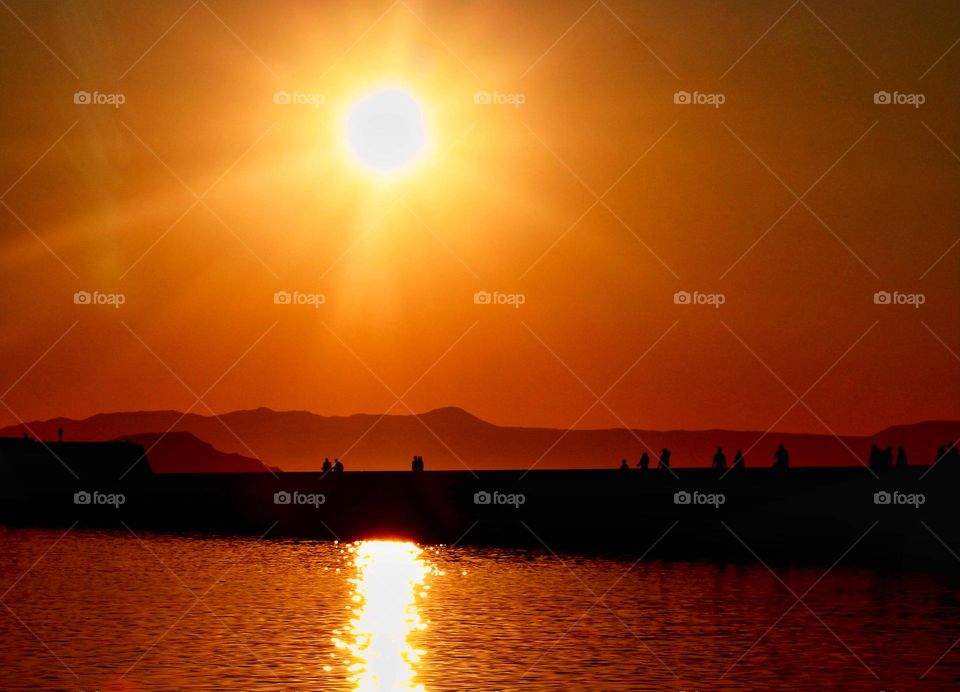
[[299, 441], [181, 452]]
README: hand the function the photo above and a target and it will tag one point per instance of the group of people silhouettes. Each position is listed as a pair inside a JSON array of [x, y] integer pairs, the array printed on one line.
[[335, 467], [879, 458], [883, 458], [949, 453], [781, 460], [720, 460], [644, 463]]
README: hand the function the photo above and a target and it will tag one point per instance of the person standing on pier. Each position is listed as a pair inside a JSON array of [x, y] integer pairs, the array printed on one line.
[[738, 460], [720, 460], [901, 458], [644, 462]]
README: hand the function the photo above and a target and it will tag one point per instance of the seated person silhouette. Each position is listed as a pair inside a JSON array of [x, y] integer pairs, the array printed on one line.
[[624, 466], [664, 458], [337, 466], [326, 466], [781, 458]]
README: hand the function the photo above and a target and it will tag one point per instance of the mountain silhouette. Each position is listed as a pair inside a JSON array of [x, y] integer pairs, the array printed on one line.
[[451, 438], [182, 452]]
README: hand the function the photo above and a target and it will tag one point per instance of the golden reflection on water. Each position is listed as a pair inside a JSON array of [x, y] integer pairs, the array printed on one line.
[[390, 576]]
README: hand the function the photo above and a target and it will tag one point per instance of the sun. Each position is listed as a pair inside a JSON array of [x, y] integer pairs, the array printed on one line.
[[386, 131]]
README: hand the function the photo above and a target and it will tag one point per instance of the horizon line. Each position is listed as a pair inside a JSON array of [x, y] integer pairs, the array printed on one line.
[[213, 414]]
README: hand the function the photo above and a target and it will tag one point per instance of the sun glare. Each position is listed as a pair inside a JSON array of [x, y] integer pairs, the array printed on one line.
[[386, 131], [389, 577]]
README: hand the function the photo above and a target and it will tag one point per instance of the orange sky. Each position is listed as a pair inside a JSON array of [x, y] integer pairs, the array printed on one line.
[[700, 199]]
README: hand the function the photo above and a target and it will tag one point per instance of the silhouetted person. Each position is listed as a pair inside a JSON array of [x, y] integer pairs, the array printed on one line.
[[26, 436], [60, 434], [738, 460], [901, 458], [644, 462], [941, 453], [880, 459], [664, 458], [326, 465], [781, 458], [952, 455], [337, 466], [417, 466], [624, 466], [719, 460]]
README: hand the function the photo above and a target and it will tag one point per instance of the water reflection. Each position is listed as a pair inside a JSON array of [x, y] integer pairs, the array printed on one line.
[[390, 576], [498, 620]]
